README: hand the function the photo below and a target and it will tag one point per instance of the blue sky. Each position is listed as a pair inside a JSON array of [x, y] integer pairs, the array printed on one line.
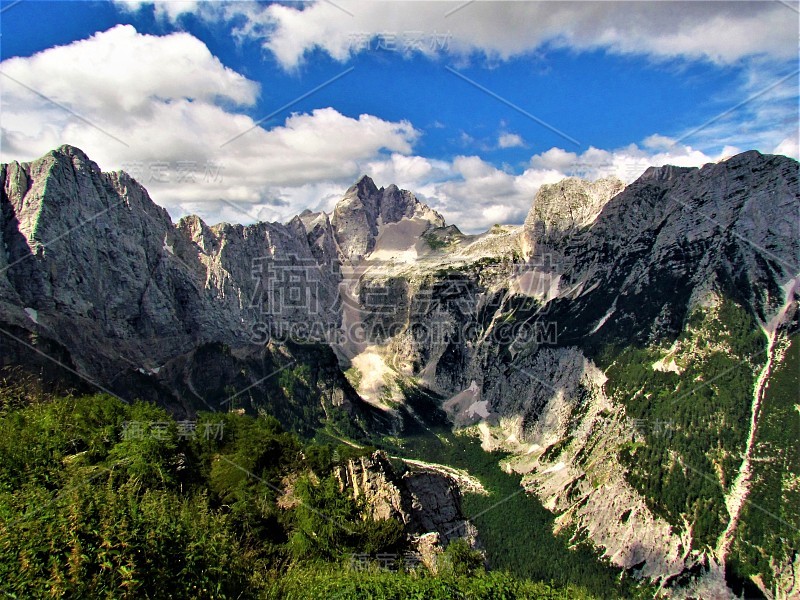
[[472, 106]]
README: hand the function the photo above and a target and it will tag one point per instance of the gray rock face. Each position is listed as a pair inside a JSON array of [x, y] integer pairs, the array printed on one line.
[[364, 207], [93, 267], [563, 207], [671, 238], [95, 258], [424, 501]]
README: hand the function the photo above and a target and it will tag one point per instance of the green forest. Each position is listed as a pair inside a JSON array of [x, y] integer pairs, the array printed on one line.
[[770, 523], [102, 499], [690, 423]]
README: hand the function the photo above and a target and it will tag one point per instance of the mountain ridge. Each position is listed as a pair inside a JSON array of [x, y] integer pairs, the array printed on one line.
[[529, 334]]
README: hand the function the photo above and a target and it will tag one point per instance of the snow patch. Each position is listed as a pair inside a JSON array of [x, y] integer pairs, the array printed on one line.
[[464, 406], [541, 285], [33, 314], [605, 318], [791, 289]]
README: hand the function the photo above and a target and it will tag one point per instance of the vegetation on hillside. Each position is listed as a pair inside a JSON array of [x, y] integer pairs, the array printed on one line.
[[515, 529], [692, 425], [100, 499], [768, 536]]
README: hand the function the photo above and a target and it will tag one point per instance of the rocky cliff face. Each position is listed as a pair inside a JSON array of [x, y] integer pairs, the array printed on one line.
[[95, 270], [674, 236], [424, 500], [364, 208], [564, 208], [574, 341]]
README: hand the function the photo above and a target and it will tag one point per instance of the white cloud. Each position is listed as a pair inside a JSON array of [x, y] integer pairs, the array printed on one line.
[[164, 108], [756, 40], [121, 70], [510, 140], [658, 142], [171, 106], [788, 147], [407, 171], [723, 32], [625, 163], [170, 10]]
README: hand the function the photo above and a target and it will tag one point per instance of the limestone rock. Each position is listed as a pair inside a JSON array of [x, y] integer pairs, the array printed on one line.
[[364, 208], [425, 502], [568, 205]]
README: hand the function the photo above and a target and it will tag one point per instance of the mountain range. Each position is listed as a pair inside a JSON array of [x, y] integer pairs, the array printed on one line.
[[631, 350]]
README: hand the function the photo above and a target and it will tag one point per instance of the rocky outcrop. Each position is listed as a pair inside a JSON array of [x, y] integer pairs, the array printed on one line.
[[567, 206], [428, 503], [364, 208], [671, 238], [675, 241]]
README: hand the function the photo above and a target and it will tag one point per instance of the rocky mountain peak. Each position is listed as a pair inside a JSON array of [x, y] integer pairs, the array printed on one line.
[[365, 207], [195, 229], [69, 157], [364, 187], [72, 152], [568, 205], [745, 157], [665, 173]]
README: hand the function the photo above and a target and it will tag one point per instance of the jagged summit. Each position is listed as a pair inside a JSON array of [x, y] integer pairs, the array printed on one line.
[[364, 208], [363, 187], [69, 150]]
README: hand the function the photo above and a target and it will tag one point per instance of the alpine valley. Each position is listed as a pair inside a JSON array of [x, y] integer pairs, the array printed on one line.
[[601, 402]]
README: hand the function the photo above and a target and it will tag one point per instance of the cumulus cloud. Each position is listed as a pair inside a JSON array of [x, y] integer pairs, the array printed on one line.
[[625, 163], [510, 140], [121, 70], [170, 10], [408, 171], [722, 32], [164, 108], [168, 111], [758, 40]]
